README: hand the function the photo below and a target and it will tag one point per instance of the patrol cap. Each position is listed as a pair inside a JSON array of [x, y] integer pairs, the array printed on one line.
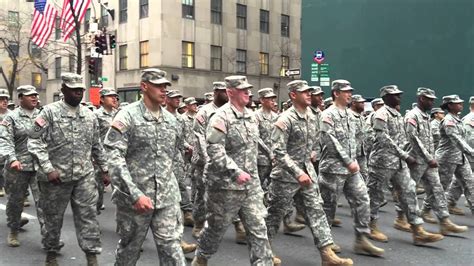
[[107, 92], [413, 105], [173, 94], [327, 102], [61, 95], [299, 86], [190, 100], [4, 93], [357, 98], [427, 92], [218, 85], [73, 80], [11, 104], [452, 99], [390, 89], [181, 105], [238, 82], [377, 101], [266, 93], [209, 96], [317, 90], [436, 110], [26, 90], [155, 76], [471, 99], [341, 85]]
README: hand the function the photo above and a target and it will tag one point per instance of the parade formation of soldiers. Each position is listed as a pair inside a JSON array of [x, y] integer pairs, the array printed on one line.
[[255, 169]]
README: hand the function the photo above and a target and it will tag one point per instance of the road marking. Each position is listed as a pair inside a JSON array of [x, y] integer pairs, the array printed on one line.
[[24, 214]]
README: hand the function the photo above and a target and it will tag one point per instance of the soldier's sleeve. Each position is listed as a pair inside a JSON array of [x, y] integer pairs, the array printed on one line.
[[98, 151], [200, 133], [185, 132], [215, 137], [280, 135], [411, 128], [7, 141], [454, 135], [37, 145], [328, 137], [468, 124], [380, 123], [116, 144]]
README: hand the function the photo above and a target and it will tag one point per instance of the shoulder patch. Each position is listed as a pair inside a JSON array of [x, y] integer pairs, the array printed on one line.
[[5, 123], [381, 116], [327, 119], [200, 119], [219, 124], [40, 121], [412, 121], [113, 135], [450, 123], [280, 124], [118, 125]]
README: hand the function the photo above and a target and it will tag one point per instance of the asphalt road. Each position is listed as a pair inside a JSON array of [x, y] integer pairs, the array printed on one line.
[[294, 250]]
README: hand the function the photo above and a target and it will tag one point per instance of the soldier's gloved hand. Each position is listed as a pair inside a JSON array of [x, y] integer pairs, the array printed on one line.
[[143, 204], [353, 167], [410, 160], [433, 164], [304, 180], [106, 179], [243, 178], [53, 177], [16, 165]]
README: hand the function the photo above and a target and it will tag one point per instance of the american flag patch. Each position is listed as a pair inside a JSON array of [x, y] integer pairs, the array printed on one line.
[[40, 121]]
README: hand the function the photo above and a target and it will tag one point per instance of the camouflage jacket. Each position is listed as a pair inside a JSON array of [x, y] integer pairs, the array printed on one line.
[[14, 137], [339, 146], [452, 145], [201, 120], [2, 156], [142, 152], [418, 129], [294, 142], [435, 132], [468, 122], [390, 140], [317, 114], [360, 131], [189, 137], [369, 137], [232, 147], [105, 120], [265, 127], [66, 142]]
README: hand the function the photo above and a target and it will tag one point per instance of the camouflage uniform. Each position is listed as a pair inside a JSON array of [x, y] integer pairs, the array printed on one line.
[[142, 153], [64, 141], [360, 134], [190, 139], [232, 140], [2, 160], [265, 126], [434, 124]]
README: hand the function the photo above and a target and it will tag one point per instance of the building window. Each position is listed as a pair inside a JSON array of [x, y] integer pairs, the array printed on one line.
[[241, 16], [285, 65], [143, 8], [72, 62], [36, 79], [87, 20], [14, 48], [285, 26], [187, 55], [241, 60], [188, 8], [263, 60], [13, 19], [123, 57], [144, 54], [57, 67], [216, 12], [264, 21], [123, 11], [104, 15], [35, 51], [57, 28], [216, 58]]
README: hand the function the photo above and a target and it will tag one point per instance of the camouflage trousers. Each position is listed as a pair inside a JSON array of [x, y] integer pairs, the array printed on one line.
[[223, 206], [167, 228], [462, 183], [364, 170], [2, 179], [17, 183], [281, 196], [83, 197], [355, 191], [185, 204], [100, 188], [435, 196], [199, 194], [404, 187], [264, 175]]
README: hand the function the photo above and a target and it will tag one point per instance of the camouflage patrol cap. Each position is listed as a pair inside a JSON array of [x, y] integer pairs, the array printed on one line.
[[173, 94], [452, 99], [317, 90], [209, 96], [436, 110], [266, 93], [390, 89], [4, 93], [218, 85], [299, 86], [327, 102], [237, 82], [357, 98], [341, 85], [181, 105], [377, 101], [12, 104], [72, 80], [427, 92], [107, 92], [190, 100], [471, 99], [413, 105], [155, 76], [26, 90]]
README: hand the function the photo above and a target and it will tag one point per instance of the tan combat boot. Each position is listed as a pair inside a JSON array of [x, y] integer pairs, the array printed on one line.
[[2, 192], [420, 236], [188, 219], [363, 246], [447, 226], [276, 261], [427, 217], [336, 222], [290, 227], [240, 236], [455, 210], [401, 223], [375, 233], [329, 258], [336, 248], [51, 259], [299, 218], [197, 229], [13, 239], [23, 221], [187, 247], [92, 259], [199, 261]]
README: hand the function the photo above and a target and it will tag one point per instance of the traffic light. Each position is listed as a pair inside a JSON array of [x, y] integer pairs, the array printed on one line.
[[97, 44], [92, 66], [103, 43], [112, 41]]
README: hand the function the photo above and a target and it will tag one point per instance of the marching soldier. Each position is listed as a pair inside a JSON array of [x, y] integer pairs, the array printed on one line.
[[437, 115], [356, 110], [4, 110]]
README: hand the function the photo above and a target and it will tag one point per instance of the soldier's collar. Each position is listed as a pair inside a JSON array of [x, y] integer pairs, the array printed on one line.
[[81, 110], [238, 114], [424, 114], [299, 114], [315, 109], [148, 116], [392, 111]]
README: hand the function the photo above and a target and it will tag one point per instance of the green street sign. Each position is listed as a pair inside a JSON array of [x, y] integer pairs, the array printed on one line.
[[324, 75], [103, 79]]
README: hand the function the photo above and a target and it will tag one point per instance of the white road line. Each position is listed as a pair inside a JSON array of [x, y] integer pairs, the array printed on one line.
[[24, 214]]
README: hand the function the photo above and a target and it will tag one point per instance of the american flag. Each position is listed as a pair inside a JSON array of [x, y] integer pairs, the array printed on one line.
[[67, 19], [43, 22]]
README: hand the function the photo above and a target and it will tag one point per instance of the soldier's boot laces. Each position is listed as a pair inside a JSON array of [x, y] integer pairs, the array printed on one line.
[[13, 239], [276, 261], [401, 223], [420, 236], [427, 217], [51, 259], [336, 248], [336, 222], [92, 259], [199, 261], [299, 218], [197, 229], [290, 227], [375, 233], [447, 226], [362, 245], [240, 236], [23, 221], [188, 247], [453, 209], [188, 219], [329, 258]]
